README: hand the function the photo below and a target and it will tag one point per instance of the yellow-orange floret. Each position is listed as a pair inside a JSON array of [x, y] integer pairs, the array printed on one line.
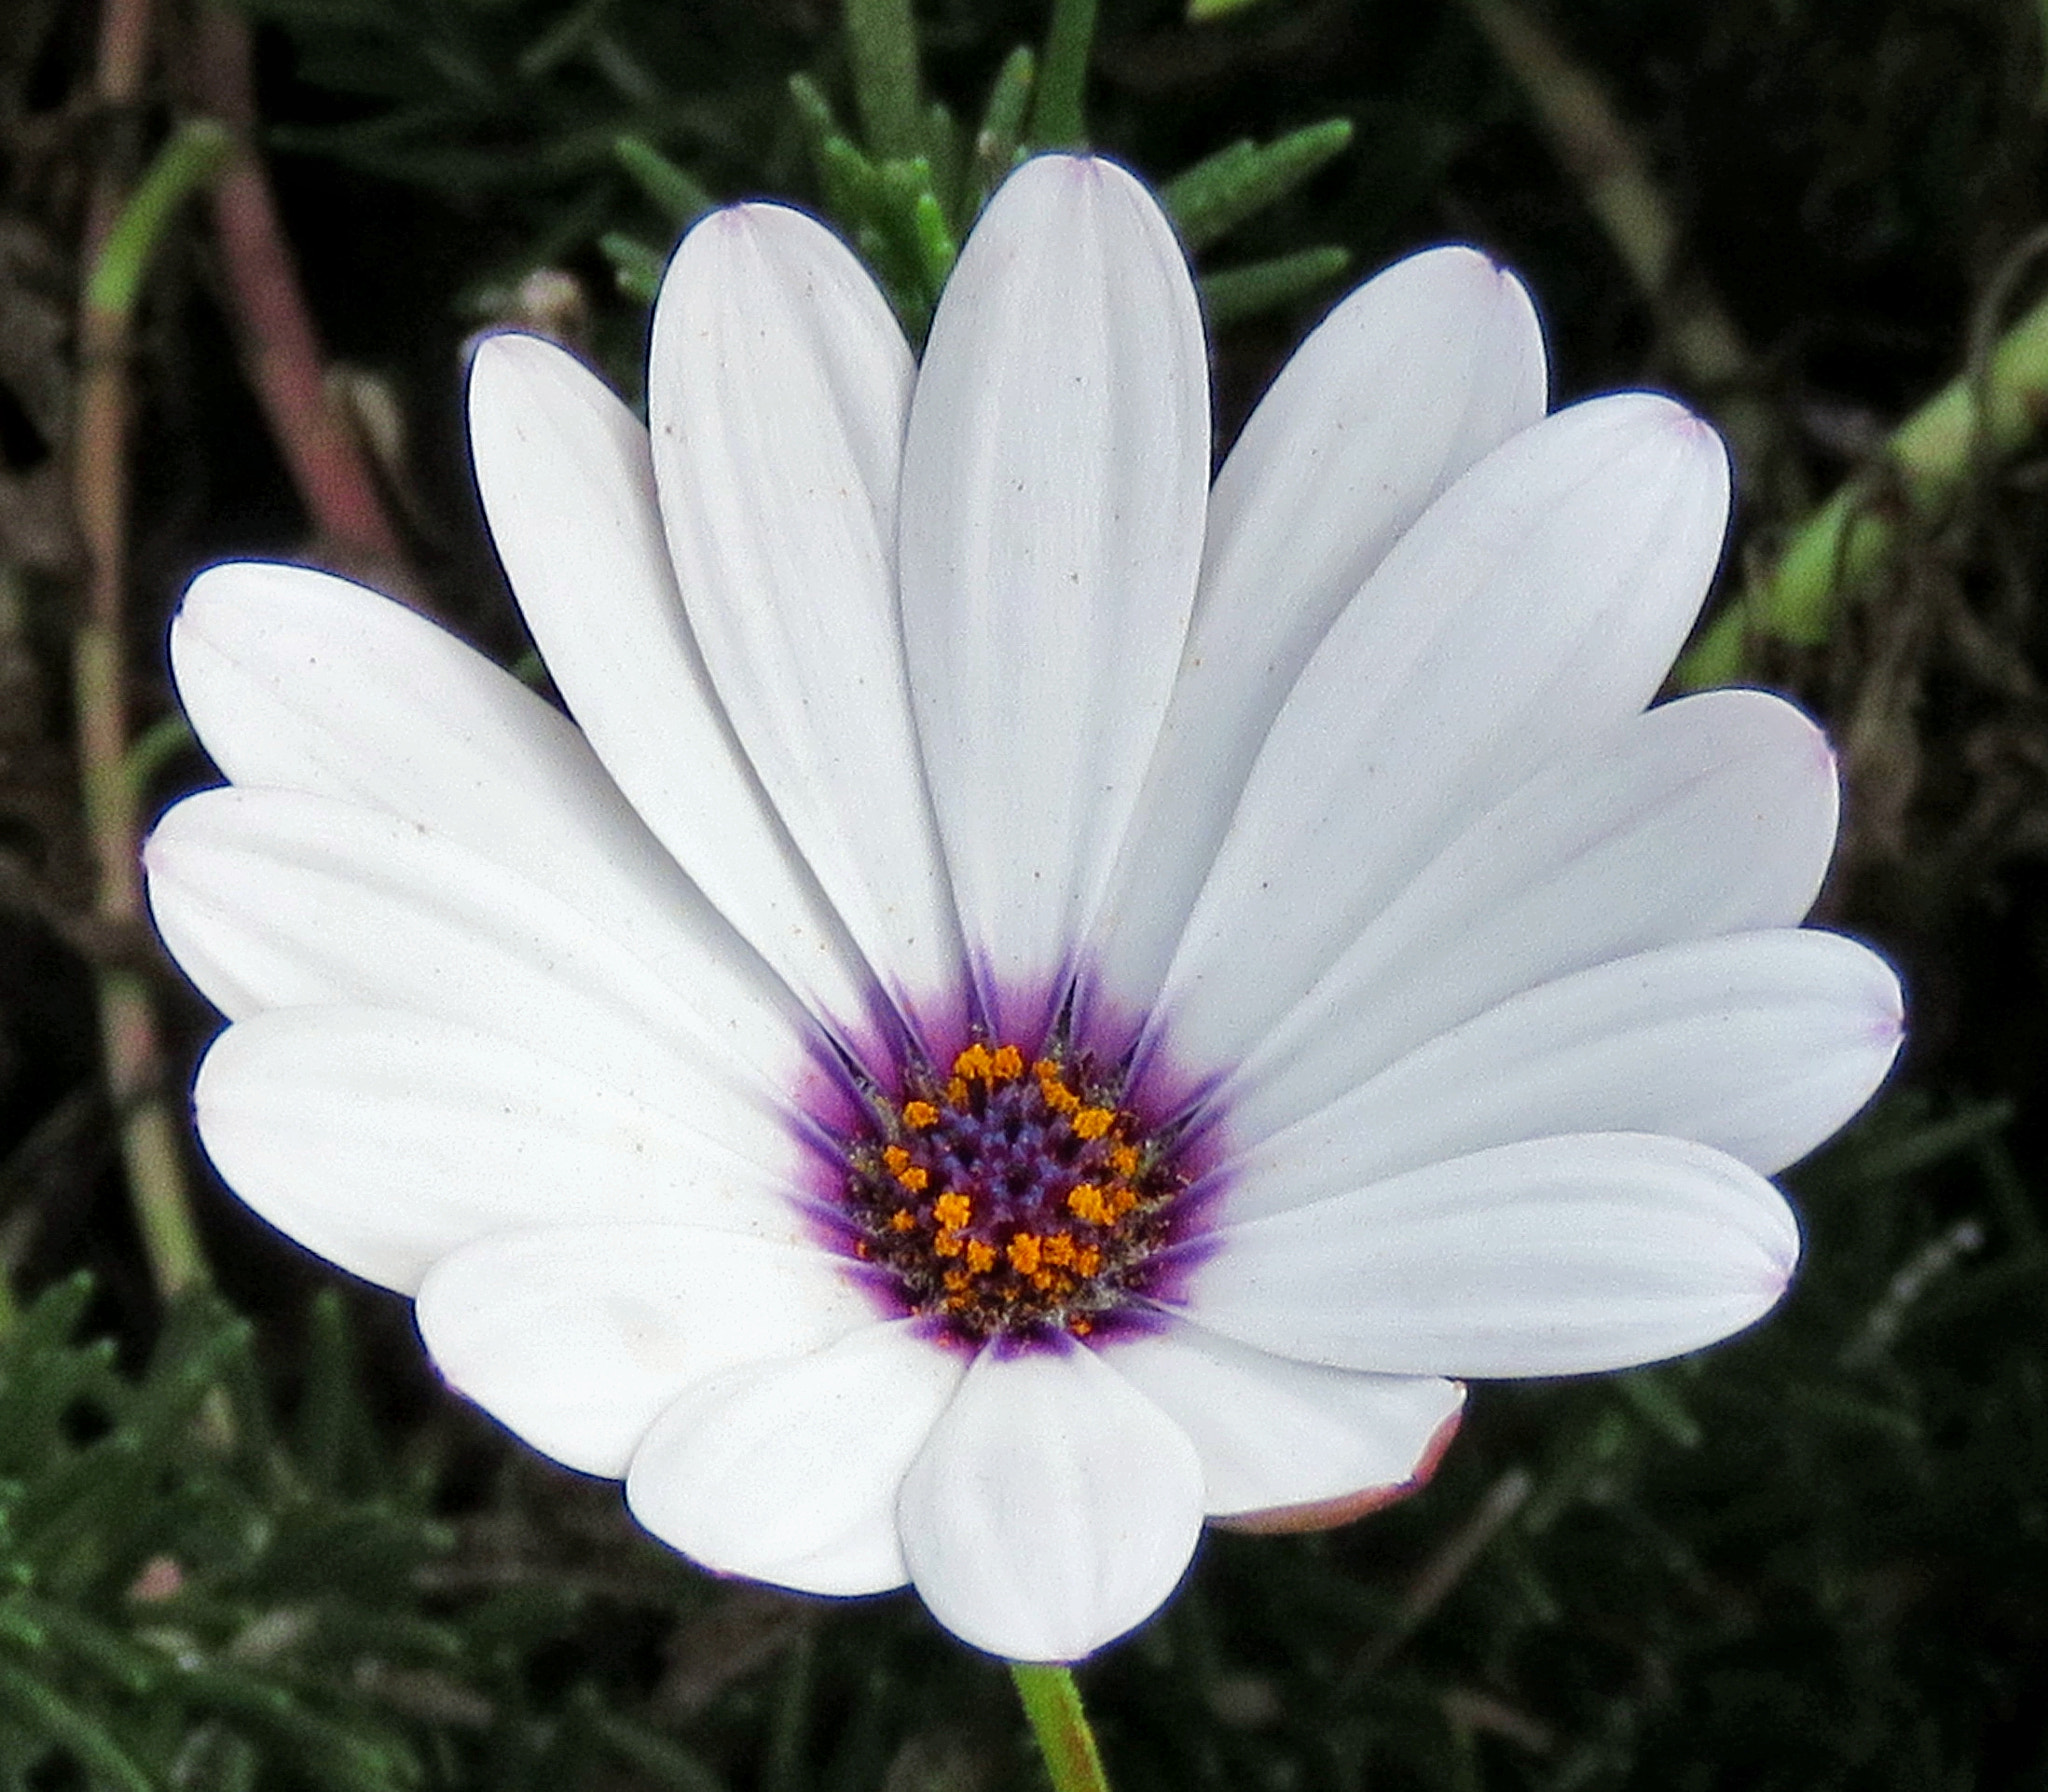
[[902, 1220], [920, 1116], [974, 1063], [981, 1256], [953, 1210], [1092, 1123], [1006, 1064], [1085, 1202], [1052, 1088], [1123, 1159], [897, 1162], [1023, 1253]]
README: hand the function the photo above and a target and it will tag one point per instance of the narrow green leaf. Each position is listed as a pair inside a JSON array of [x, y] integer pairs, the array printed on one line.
[[675, 190], [1263, 285], [934, 241], [1059, 119], [1002, 127], [945, 147], [1219, 193], [881, 38]]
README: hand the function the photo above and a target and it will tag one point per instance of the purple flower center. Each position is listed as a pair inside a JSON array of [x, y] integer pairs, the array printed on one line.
[[1013, 1196]]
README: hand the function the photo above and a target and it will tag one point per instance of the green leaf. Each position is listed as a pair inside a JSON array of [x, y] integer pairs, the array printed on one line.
[[673, 189], [881, 38], [1263, 285], [1217, 194], [1059, 119], [1002, 127]]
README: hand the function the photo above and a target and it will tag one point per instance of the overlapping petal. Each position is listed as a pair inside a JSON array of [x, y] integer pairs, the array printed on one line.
[[1414, 378], [1715, 814], [384, 1140], [1279, 1437], [578, 1338], [778, 388], [303, 901], [1760, 1045], [789, 1471], [1053, 1507], [1055, 476], [1557, 1256], [568, 489], [298, 680], [1541, 599]]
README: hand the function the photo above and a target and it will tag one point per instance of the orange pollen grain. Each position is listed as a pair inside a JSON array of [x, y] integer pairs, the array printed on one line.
[[902, 1220], [981, 1256], [1092, 1123], [947, 1244], [920, 1116], [1123, 1159], [953, 1210], [1058, 1248], [1023, 1253], [1007, 1064]]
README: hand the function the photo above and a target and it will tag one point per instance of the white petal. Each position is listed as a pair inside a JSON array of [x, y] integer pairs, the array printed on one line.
[[1761, 1045], [1416, 376], [777, 394], [1274, 1433], [578, 1338], [300, 680], [1054, 481], [788, 1472], [312, 902], [1715, 814], [568, 490], [1538, 601], [384, 1141], [1053, 1509], [1556, 1257]]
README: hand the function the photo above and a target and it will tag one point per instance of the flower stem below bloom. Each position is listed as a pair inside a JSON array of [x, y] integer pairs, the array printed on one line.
[[1053, 1704]]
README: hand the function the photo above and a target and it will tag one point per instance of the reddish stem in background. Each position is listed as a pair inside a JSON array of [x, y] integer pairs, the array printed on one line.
[[280, 346]]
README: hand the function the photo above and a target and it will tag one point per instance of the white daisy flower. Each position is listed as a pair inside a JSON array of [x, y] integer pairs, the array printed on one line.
[[1036, 1002]]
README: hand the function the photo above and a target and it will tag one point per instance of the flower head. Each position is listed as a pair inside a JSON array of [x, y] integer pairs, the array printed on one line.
[[1035, 1001]]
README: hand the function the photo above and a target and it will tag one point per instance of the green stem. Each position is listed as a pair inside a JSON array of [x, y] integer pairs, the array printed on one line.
[[1985, 411], [193, 155], [1053, 1704]]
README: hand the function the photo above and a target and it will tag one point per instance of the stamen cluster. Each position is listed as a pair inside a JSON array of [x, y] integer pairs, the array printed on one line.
[[1012, 1196]]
